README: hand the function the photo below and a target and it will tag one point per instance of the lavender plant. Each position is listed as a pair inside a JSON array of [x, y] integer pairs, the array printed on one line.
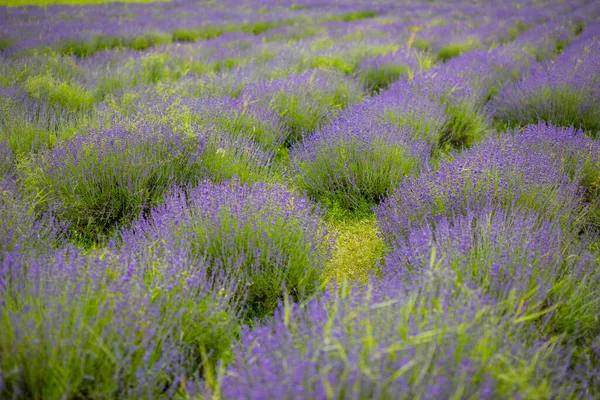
[[31, 124], [440, 107], [239, 118], [435, 337], [266, 237], [466, 117], [111, 325], [563, 93], [23, 231], [411, 109], [501, 170], [503, 252], [305, 101], [355, 161], [107, 177]]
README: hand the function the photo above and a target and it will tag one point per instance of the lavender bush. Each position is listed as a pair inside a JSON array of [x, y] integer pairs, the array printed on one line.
[[111, 325], [499, 171], [267, 237], [563, 92], [107, 177], [356, 160], [305, 101], [432, 338]]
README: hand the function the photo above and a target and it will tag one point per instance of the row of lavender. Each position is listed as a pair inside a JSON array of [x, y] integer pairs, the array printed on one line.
[[489, 286], [138, 26], [183, 188]]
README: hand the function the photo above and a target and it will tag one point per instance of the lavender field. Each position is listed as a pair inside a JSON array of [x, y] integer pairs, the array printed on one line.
[[383, 199]]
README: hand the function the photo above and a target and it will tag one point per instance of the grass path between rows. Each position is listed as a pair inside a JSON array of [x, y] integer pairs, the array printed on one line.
[[357, 251]]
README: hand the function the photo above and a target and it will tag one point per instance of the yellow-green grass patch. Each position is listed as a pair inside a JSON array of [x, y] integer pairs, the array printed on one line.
[[357, 251]]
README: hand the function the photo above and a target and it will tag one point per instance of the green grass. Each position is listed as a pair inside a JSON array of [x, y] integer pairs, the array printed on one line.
[[358, 248]]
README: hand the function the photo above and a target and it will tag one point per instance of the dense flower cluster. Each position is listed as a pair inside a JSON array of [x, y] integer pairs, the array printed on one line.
[[267, 238], [357, 159]]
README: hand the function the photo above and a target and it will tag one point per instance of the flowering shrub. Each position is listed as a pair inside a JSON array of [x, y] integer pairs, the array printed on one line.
[[357, 159], [268, 238]]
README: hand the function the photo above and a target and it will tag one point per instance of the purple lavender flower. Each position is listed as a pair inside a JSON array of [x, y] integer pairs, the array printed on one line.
[[562, 92], [266, 237], [356, 159], [500, 170], [500, 251], [128, 324], [429, 338]]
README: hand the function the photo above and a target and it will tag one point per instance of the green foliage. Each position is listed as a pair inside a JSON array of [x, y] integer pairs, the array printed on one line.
[[157, 67], [5, 41], [352, 174], [340, 62], [421, 44], [513, 32], [590, 181], [193, 34], [225, 158], [225, 64], [297, 6], [578, 309], [465, 124], [353, 15], [258, 27], [70, 96], [379, 77], [243, 124], [88, 338], [450, 50], [85, 48], [308, 107], [148, 39]]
